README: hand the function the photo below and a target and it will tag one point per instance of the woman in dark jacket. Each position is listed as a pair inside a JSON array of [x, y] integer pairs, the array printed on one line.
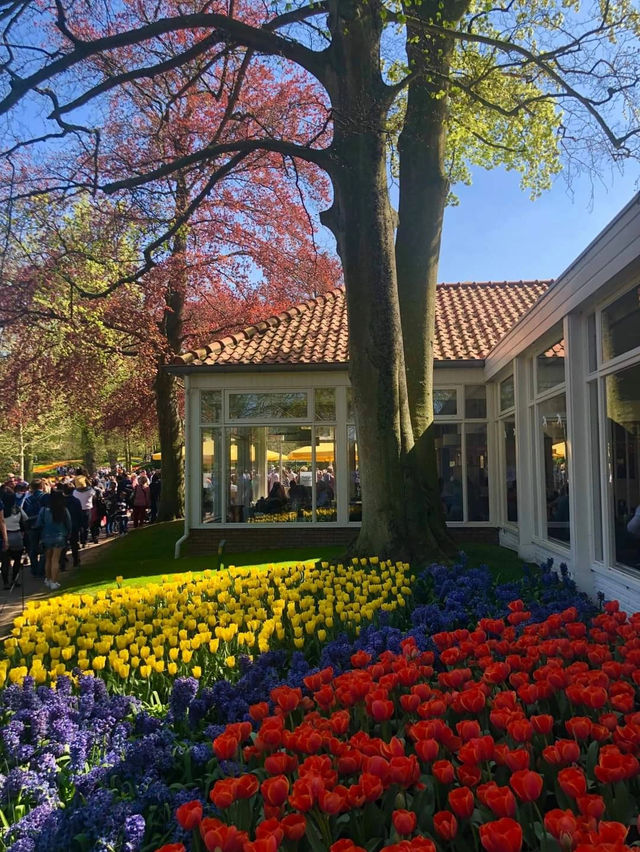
[[54, 522]]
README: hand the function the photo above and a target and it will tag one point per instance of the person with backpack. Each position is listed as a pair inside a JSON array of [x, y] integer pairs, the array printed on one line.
[[98, 512], [15, 520], [32, 504], [54, 523], [85, 494], [74, 507]]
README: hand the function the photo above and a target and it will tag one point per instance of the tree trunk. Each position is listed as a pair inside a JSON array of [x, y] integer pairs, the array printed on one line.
[[165, 385], [423, 191], [396, 510]]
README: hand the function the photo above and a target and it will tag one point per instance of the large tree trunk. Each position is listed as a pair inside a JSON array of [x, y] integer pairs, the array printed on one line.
[[396, 511], [424, 187], [165, 385]]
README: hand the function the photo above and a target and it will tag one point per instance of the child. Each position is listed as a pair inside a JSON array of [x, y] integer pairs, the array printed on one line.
[[122, 514]]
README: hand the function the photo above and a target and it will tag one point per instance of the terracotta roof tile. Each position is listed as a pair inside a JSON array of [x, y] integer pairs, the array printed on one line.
[[471, 318]]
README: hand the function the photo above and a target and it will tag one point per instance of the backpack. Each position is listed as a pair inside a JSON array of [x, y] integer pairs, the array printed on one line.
[[32, 505]]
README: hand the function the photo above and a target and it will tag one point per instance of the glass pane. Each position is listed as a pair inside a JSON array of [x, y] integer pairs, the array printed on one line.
[[270, 474], [325, 459], [210, 406], [448, 444], [592, 342], [552, 416], [477, 472], [350, 413], [211, 472], [325, 403], [510, 469], [596, 488], [623, 428], [268, 405], [355, 495], [507, 394], [550, 367], [475, 402], [621, 325], [445, 402]]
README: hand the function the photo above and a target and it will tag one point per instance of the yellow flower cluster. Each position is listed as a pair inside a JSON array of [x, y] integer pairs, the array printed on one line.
[[142, 637], [305, 515]]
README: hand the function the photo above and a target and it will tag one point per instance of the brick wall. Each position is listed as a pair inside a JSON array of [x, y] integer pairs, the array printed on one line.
[[298, 535]]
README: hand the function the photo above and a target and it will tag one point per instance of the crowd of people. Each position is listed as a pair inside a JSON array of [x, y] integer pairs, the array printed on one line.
[[43, 520]]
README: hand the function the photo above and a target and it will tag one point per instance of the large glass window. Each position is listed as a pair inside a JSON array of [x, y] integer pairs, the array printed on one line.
[[475, 402], [325, 465], [448, 444], [510, 470], [623, 428], [550, 367], [621, 325], [477, 472], [325, 403], [210, 406], [552, 420], [272, 405]]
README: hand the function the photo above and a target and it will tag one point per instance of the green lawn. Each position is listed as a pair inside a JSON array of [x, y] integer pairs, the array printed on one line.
[[145, 555]]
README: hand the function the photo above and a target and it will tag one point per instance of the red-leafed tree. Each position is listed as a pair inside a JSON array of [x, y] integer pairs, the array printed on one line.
[[226, 245]]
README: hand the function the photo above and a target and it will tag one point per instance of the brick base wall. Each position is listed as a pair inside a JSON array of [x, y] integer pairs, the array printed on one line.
[[258, 538]]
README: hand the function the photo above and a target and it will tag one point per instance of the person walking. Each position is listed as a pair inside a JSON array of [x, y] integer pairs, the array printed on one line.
[[74, 507], [155, 487], [111, 506], [33, 502], [122, 514], [85, 494], [15, 520], [141, 501], [54, 521]]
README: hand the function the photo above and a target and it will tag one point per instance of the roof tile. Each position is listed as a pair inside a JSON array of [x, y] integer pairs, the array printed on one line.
[[471, 318]]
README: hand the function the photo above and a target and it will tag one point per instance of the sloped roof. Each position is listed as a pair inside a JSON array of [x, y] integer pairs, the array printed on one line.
[[471, 318]]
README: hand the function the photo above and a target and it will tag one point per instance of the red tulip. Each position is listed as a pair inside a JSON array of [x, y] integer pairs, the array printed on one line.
[[527, 785], [189, 815], [246, 786], [572, 781], [225, 746], [275, 790], [270, 828], [443, 771], [591, 806], [501, 801], [461, 802], [172, 847], [223, 793], [294, 826], [562, 825], [503, 835], [404, 822], [445, 824]]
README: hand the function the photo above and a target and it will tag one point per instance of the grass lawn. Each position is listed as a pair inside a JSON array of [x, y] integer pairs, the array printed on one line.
[[145, 555]]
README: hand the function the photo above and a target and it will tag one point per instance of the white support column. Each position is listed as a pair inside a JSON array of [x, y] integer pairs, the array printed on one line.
[[580, 474], [189, 434], [525, 460]]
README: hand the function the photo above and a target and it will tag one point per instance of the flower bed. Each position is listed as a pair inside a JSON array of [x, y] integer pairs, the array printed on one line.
[[507, 738], [138, 768], [139, 639]]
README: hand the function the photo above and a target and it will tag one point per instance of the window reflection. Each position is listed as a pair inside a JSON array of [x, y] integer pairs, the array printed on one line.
[[445, 402], [507, 394], [449, 460], [553, 422], [211, 467], [550, 367], [268, 405], [621, 325], [477, 472], [623, 428], [511, 481], [355, 496]]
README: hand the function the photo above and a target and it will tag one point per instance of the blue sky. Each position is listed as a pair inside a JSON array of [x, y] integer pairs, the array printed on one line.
[[497, 233]]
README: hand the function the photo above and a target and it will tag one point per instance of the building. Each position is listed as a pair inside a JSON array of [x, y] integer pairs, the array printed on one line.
[[537, 408]]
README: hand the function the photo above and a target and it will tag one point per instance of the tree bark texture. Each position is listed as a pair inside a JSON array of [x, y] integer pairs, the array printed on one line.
[[165, 385]]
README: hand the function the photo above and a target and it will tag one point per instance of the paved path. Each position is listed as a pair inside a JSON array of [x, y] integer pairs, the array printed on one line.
[[31, 588]]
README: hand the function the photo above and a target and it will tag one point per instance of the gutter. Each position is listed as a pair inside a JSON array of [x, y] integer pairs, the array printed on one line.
[[343, 366]]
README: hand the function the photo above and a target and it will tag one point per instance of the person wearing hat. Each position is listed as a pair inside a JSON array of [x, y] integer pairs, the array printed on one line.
[[85, 494]]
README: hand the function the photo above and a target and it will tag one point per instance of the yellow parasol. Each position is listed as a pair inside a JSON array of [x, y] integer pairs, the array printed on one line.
[[325, 452]]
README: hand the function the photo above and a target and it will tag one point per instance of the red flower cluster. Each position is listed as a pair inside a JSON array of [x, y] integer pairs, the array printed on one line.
[[513, 734]]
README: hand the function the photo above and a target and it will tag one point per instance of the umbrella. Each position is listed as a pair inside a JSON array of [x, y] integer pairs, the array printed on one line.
[[325, 452]]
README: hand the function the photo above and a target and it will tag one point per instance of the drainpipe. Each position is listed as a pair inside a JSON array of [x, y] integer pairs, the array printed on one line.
[[187, 466]]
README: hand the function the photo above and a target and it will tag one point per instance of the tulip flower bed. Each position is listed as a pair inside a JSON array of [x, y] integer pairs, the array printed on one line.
[[506, 738], [139, 639], [86, 769]]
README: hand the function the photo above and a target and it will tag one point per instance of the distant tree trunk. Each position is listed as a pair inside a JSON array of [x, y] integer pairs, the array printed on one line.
[[165, 385], [88, 447], [398, 513]]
